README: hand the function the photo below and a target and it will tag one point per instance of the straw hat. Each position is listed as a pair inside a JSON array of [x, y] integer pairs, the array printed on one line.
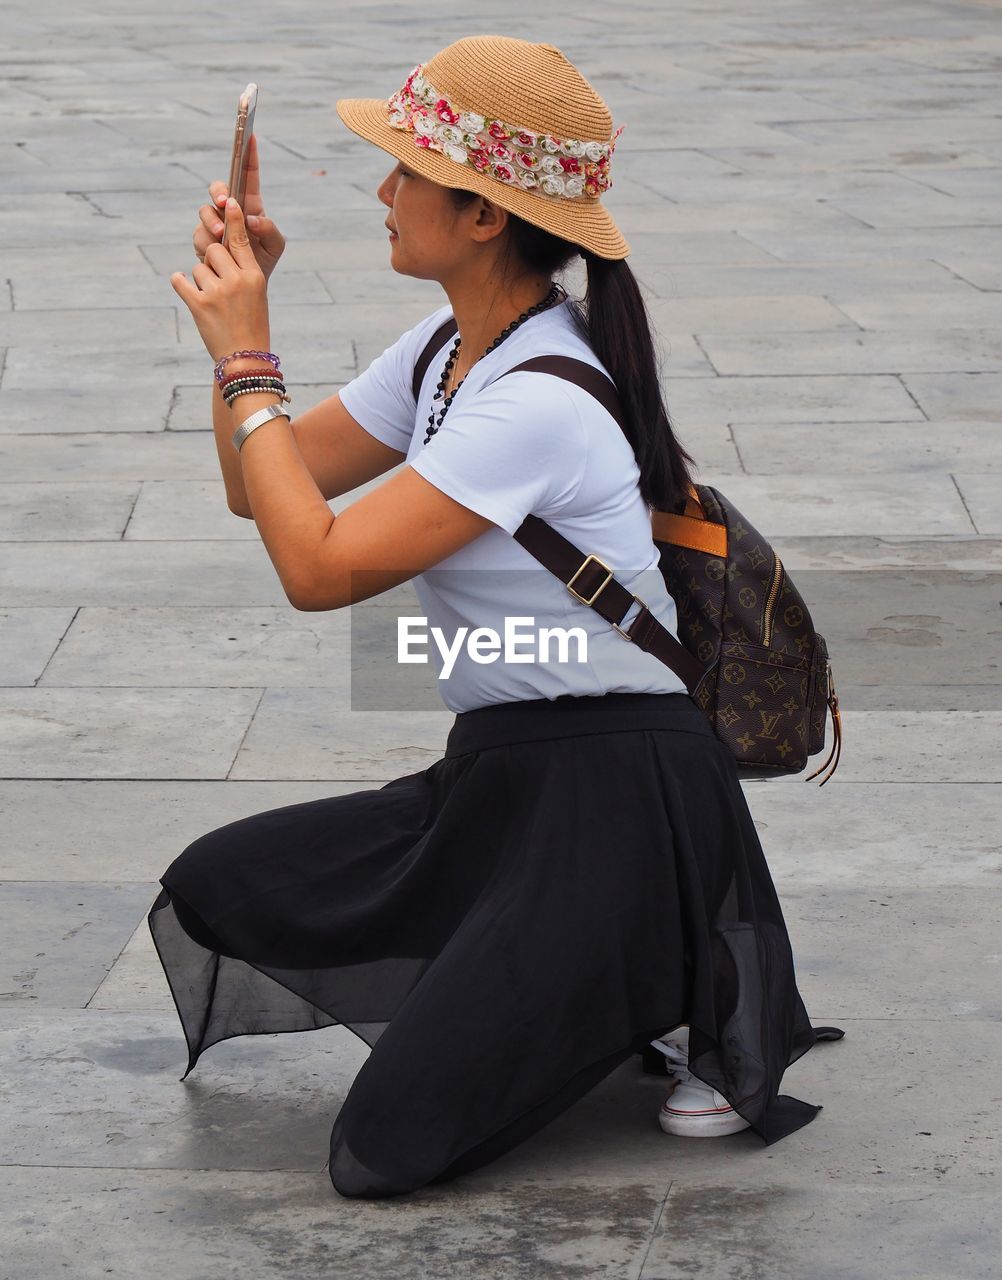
[[510, 120]]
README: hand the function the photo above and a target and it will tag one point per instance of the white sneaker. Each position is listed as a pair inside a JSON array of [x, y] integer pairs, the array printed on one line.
[[693, 1109]]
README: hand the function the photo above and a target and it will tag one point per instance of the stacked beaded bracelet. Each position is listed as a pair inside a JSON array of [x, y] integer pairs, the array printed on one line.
[[269, 372], [248, 385], [236, 355]]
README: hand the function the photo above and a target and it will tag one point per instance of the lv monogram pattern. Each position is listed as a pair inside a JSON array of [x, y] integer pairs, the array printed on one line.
[[765, 690]]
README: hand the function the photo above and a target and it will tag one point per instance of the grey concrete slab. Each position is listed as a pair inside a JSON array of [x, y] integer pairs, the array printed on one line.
[[151, 177], [128, 733], [141, 289], [37, 407], [909, 627], [30, 220], [109, 456], [90, 828], [185, 510], [867, 447], [60, 940], [884, 836], [204, 648], [315, 737], [799, 399], [974, 310], [982, 273], [61, 510], [290, 1226], [135, 982], [915, 503], [163, 573], [774, 279], [873, 244], [86, 369], [732, 214], [982, 496], [784, 1229], [123, 329], [115, 1078], [847, 158], [28, 639], [782, 314], [897, 952], [972, 396], [60, 259], [941, 745], [880, 351], [961, 553]]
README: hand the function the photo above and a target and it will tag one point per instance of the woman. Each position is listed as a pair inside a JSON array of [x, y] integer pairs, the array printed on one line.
[[578, 876]]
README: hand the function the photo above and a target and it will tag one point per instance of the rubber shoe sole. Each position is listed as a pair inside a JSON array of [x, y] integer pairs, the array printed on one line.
[[707, 1122]]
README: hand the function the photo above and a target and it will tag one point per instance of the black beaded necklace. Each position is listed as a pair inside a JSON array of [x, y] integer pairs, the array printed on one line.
[[555, 295]]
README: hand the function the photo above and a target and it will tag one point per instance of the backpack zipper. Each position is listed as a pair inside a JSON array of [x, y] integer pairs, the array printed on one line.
[[771, 601]]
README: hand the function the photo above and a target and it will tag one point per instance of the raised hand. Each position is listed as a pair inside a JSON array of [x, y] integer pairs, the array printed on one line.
[[227, 294], [266, 241]]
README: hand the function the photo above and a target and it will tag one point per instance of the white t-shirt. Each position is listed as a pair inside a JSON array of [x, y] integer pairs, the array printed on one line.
[[529, 443]]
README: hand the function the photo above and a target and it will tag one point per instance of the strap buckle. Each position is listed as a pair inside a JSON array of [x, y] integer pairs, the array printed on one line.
[[596, 593], [634, 600]]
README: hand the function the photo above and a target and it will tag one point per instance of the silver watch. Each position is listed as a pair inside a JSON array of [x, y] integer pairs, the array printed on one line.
[[258, 420]]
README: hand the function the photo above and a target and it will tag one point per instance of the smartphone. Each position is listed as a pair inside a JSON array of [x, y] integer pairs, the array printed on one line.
[[246, 106]]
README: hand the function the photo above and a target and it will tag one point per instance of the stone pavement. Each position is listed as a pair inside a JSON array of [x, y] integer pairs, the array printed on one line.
[[812, 193]]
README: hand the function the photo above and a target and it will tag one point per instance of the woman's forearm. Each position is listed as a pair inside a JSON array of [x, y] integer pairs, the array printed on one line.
[[291, 513], [223, 426]]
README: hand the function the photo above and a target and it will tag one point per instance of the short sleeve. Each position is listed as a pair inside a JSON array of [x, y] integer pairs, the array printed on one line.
[[381, 398], [517, 448]]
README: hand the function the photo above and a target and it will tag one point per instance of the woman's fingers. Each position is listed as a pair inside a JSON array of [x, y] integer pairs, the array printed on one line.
[[212, 219]]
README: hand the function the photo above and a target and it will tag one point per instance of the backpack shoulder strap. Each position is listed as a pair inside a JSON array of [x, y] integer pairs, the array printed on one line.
[[582, 374], [441, 335], [588, 578]]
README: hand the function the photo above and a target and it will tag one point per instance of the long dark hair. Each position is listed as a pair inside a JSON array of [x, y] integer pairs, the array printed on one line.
[[613, 319]]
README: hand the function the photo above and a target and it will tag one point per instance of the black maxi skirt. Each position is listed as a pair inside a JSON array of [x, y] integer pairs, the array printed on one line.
[[573, 878]]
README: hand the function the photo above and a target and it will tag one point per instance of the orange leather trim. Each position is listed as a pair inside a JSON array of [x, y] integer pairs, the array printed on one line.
[[698, 534]]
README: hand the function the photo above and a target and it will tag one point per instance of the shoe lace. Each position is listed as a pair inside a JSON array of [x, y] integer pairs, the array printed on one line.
[[676, 1060]]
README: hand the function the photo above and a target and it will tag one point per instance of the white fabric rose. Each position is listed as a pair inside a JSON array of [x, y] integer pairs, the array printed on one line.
[[550, 164], [471, 122], [528, 180], [549, 145], [425, 125], [574, 148], [575, 187], [456, 153], [449, 133], [594, 151], [553, 186]]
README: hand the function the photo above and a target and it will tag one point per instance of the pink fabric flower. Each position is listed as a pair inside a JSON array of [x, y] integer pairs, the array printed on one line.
[[504, 173], [480, 159], [497, 130], [570, 165], [501, 152], [445, 112]]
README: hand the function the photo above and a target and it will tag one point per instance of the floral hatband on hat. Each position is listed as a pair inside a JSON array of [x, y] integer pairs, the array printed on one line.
[[510, 120], [571, 169]]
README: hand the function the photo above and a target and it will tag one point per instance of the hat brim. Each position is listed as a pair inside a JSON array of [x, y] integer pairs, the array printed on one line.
[[584, 223]]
